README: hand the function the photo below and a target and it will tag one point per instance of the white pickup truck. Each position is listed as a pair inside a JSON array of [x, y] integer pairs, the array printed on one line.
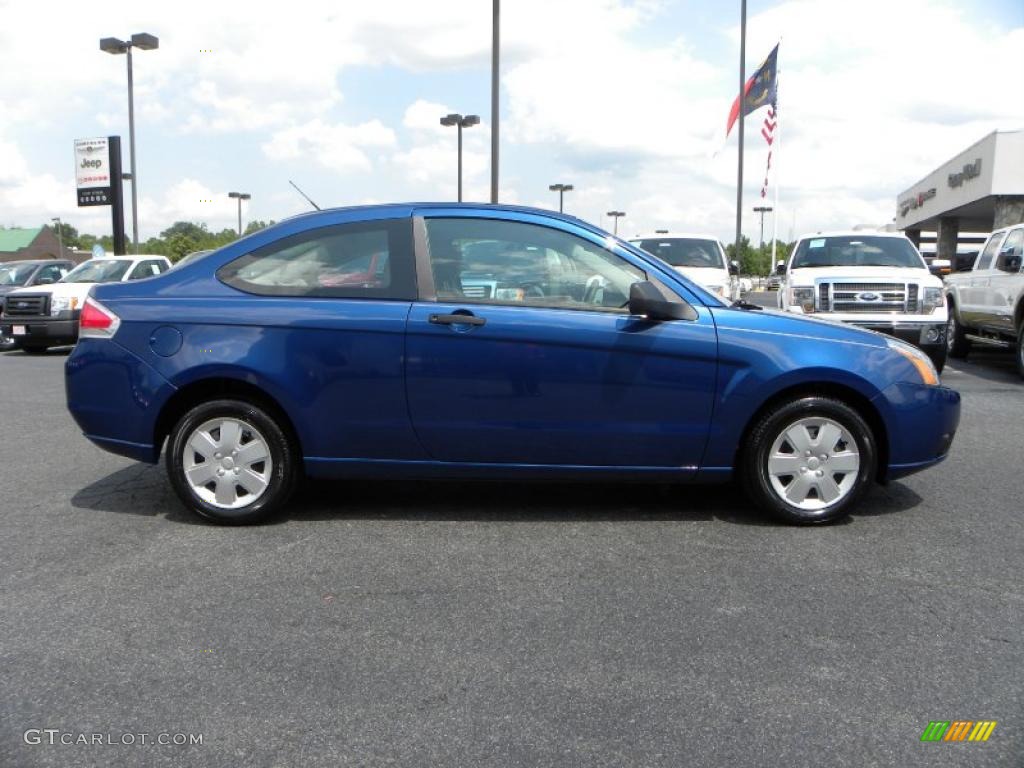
[[47, 315], [986, 304], [876, 280]]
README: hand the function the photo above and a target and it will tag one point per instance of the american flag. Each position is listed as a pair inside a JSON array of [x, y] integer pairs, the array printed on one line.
[[768, 131]]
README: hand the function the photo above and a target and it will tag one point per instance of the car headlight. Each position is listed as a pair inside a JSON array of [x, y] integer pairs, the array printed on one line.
[[933, 299], [918, 359], [803, 298], [60, 304]]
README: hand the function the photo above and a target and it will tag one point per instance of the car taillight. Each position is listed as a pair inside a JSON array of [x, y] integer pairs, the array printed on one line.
[[96, 321]]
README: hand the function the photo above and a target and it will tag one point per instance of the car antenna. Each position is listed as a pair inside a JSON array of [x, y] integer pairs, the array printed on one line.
[[303, 194]]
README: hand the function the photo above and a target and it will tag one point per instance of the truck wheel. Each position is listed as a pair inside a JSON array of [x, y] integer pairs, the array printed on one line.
[[231, 462], [1020, 350], [809, 460], [34, 349], [957, 344], [938, 356]]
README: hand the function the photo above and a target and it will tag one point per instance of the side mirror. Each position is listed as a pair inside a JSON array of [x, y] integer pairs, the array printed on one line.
[[647, 301], [780, 268], [1011, 263], [734, 267], [46, 280]]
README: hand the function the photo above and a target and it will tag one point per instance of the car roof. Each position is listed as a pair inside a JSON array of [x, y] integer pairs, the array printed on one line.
[[127, 257], [36, 261], [671, 235]]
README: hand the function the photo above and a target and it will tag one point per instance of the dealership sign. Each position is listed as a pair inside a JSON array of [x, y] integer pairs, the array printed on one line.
[[970, 171], [915, 201], [92, 171]]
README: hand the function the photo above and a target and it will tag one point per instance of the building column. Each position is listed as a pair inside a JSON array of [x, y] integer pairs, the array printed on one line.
[[914, 235], [946, 236], [1009, 210]]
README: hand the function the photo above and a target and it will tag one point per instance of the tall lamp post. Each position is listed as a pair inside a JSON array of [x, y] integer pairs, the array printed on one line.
[[240, 196], [616, 215], [561, 189], [60, 236], [460, 121], [762, 209], [145, 42]]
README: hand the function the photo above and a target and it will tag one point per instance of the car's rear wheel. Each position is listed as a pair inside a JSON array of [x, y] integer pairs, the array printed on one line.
[[957, 343], [231, 462], [810, 460]]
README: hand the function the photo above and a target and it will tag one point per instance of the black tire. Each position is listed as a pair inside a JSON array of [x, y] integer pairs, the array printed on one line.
[[753, 464], [280, 478], [938, 356], [33, 349], [1020, 350], [957, 343]]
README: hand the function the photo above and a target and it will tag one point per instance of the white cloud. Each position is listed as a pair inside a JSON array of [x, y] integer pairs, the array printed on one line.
[[338, 147]]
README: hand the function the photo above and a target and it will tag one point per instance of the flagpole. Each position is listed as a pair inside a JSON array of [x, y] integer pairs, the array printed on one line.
[[743, 111], [778, 151]]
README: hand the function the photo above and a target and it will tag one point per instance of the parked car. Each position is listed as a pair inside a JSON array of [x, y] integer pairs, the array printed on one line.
[[607, 364], [986, 305], [700, 257], [45, 316], [28, 273], [875, 280]]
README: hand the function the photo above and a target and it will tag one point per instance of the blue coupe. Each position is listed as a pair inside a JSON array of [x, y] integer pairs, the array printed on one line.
[[441, 340]]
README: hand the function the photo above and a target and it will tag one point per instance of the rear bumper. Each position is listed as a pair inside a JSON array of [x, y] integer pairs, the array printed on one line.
[[41, 330], [115, 398]]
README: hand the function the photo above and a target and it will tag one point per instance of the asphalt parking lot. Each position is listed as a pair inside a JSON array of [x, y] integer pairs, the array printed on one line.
[[487, 624]]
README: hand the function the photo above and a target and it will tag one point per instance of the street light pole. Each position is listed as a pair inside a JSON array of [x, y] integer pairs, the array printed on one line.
[[112, 45], [495, 41], [561, 189], [762, 209], [240, 197], [616, 215], [460, 122], [60, 237]]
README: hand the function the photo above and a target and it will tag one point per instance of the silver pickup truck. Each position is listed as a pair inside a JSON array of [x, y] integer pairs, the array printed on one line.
[[986, 305]]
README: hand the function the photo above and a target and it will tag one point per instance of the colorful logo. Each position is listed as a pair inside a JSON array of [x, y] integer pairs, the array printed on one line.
[[958, 730]]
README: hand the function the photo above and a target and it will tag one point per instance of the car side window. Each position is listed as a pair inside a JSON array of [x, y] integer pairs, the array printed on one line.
[[991, 249], [516, 263], [147, 268], [49, 274], [360, 260], [1010, 252]]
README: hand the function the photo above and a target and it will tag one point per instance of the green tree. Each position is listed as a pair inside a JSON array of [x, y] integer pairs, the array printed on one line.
[[67, 234], [258, 224]]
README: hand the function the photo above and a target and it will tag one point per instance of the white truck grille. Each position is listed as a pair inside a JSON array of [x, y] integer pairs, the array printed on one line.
[[877, 298]]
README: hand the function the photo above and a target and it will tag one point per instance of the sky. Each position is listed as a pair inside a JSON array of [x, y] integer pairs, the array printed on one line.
[[624, 99]]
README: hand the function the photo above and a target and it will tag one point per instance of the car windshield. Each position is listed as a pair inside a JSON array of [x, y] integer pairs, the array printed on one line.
[[15, 274], [685, 251], [98, 271], [856, 251]]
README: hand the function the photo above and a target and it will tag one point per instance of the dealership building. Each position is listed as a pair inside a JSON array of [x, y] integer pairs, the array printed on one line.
[[979, 190]]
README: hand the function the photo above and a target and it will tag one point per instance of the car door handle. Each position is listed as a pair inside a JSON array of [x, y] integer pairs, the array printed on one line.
[[457, 319]]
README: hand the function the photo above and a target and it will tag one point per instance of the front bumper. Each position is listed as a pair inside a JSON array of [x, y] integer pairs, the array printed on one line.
[[42, 330], [921, 422], [924, 335]]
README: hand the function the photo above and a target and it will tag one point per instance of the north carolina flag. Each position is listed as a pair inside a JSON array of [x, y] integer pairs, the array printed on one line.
[[759, 90]]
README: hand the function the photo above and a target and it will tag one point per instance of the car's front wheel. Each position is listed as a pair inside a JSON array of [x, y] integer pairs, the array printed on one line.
[[1020, 350], [231, 462], [809, 460]]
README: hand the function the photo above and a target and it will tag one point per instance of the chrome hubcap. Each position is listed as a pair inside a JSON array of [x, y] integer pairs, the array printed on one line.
[[227, 463], [813, 463]]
